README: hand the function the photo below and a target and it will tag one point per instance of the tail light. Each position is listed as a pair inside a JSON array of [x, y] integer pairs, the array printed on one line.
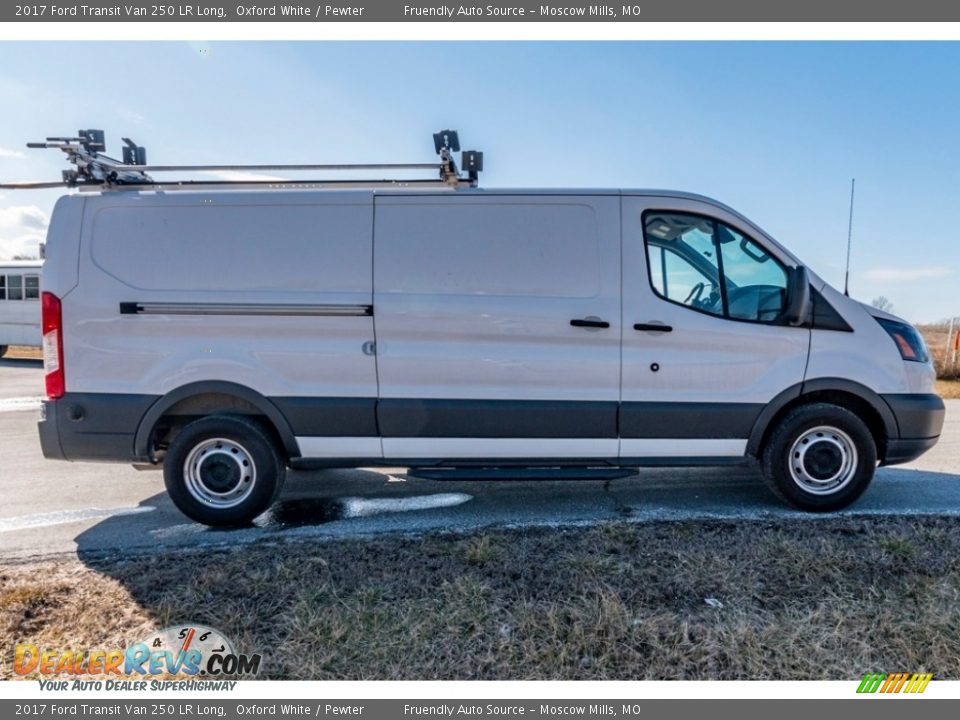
[[52, 322], [908, 341]]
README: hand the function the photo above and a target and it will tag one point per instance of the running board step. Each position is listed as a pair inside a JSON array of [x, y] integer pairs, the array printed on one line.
[[508, 473]]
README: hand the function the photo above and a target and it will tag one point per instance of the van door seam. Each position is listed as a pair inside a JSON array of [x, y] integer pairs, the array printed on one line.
[[373, 320]]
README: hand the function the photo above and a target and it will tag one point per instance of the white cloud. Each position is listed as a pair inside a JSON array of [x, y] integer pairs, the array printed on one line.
[[22, 229], [28, 217], [8, 153], [130, 115], [895, 275]]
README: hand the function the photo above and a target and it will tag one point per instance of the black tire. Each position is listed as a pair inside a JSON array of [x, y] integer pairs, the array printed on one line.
[[3, 350], [800, 473], [236, 470]]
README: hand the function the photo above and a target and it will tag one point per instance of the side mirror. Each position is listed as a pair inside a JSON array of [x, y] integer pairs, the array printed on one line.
[[798, 296]]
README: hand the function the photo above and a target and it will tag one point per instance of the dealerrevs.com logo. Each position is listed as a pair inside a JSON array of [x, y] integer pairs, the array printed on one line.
[[180, 650], [894, 683]]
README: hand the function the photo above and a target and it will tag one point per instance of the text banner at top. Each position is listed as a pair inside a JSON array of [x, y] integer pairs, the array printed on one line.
[[534, 11]]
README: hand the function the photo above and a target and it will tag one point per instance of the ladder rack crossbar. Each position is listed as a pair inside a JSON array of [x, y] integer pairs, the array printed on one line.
[[32, 185], [158, 185], [292, 168]]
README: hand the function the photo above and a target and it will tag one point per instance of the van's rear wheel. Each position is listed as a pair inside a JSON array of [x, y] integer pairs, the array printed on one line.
[[223, 470], [820, 457]]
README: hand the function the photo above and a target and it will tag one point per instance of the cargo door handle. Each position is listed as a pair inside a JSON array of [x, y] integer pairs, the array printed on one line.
[[589, 322], [653, 327]]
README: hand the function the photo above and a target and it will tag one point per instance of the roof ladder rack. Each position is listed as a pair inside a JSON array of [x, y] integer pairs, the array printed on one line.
[[94, 170]]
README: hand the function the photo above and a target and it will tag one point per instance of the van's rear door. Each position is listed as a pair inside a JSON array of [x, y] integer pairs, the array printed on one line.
[[498, 325]]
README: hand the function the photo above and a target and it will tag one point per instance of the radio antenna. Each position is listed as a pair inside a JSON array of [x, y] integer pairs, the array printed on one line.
[[846, 279]]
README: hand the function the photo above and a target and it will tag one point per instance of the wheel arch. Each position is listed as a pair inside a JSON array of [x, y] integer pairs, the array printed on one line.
[[868, 405], [208, 397]]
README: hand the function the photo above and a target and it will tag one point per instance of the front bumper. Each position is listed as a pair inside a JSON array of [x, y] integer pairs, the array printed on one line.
[[919, 419]]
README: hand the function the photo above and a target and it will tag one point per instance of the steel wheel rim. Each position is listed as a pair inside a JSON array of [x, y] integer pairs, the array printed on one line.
[[219, 473], [823, 460]]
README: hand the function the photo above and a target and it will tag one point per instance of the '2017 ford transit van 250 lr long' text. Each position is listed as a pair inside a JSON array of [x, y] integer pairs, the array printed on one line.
[[229, 334]]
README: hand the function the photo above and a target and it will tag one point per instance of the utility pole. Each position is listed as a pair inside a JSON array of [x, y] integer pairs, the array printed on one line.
[[952, 346], [846, 279]]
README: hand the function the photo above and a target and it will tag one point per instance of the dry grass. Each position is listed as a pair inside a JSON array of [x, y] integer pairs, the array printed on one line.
[[949, 389], [825, 599], [936, 337], [63, 606], [19, 352]]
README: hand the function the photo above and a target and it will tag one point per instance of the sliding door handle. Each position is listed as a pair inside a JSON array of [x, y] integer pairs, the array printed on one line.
[[653, 327], [589, 322]]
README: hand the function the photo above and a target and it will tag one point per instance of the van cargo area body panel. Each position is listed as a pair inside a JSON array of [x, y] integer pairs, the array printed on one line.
[[271, 291], [61, 266], [474, 297]]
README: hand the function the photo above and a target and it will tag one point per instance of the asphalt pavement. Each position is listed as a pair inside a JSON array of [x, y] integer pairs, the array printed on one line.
[[92, 509]]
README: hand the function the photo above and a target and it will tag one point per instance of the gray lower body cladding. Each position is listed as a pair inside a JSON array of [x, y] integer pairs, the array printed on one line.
[[563, 419], [102, 427], [919, 419], [919, 415], [92, 426]]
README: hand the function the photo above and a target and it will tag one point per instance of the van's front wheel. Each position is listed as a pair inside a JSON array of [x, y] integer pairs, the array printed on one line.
[[223, 470], [820, 457]]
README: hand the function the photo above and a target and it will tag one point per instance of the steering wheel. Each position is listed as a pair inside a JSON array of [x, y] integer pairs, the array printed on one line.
[[712, 302], [694, 297]]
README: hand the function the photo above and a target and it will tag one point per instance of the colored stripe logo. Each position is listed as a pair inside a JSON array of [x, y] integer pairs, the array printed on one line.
[[894, 683]]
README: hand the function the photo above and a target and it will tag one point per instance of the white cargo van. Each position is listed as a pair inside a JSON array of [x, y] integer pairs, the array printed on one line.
[[228, 333], [231, 334], [19, 303]]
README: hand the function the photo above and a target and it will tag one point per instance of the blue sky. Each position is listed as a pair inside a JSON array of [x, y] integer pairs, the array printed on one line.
[[774, 129]]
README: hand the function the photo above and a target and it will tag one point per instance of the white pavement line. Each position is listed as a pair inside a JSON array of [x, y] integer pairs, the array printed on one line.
[[20, 403], [364, 507], [23, 522]]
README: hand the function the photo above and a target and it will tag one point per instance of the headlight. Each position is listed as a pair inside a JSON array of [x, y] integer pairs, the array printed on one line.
[[909, 342]]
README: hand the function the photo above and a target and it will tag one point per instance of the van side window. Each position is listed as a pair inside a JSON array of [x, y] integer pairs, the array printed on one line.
[[705, 265], [14, 287], [31, 287], [756, 284], [676, 279], [3, 287]]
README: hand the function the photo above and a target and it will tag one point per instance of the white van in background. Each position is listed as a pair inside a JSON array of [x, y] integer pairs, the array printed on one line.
[[19, 303], [228, 335]]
